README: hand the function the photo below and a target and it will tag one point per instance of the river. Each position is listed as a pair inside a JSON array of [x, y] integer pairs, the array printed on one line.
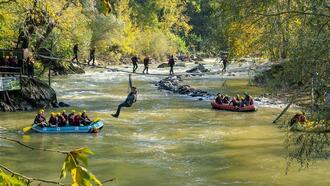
[[164, 139]]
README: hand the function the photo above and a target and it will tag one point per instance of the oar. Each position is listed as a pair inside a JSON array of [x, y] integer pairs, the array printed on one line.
[[27, 129]]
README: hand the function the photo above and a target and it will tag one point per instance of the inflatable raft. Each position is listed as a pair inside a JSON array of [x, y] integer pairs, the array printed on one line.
[[92, 128], [250, 108]]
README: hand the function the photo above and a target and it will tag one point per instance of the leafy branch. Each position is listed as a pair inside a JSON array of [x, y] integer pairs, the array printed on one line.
[[72, 164]]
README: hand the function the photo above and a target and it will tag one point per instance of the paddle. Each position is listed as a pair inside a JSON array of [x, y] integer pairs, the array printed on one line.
[[27, 129]]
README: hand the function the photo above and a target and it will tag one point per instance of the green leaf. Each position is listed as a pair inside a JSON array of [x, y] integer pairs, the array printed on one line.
[[9, 180], [106, 7]]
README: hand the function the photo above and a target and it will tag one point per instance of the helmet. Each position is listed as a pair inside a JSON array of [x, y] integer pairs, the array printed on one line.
[[58, 114], [79, 113], [63, 110], [52, 114], [246, 94], [73, 111]]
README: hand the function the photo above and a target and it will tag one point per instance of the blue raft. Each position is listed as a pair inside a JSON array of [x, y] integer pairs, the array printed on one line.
[[92, 128]]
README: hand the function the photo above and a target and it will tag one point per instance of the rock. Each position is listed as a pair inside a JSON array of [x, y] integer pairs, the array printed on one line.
[[62, 104], [34, 94], [173, 84], [55, 105], [198, 69], [163, 65]]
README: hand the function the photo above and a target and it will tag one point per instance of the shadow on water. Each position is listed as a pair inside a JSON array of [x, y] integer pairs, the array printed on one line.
[[304, 148]]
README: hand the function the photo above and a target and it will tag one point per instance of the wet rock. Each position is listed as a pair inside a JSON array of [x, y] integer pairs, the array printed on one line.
[[163, 65], [173, 84], [198, 69], [34, 94], [62, 104]]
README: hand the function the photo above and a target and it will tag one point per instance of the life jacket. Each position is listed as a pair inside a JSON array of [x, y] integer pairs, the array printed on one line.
[[65, 116], [218, 100], [225, 100], [39, 119], [61, 120], [71, 118], [53, 121], [76, 120]]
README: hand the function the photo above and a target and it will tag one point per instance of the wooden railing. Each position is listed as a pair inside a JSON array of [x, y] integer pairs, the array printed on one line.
[[9, 70]]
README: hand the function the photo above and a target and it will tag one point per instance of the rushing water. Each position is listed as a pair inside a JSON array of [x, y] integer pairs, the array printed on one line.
[[164, 139]]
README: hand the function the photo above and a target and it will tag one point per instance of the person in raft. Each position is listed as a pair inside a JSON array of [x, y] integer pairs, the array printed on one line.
[[84, 119], [235, 101], [77, 119], [247, 100], [40, 119], [298, 117], [61, 120], [53, 122], [71, 117], [219, 99]]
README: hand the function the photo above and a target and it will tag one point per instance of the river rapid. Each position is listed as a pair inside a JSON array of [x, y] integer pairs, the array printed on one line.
[[164, 139]]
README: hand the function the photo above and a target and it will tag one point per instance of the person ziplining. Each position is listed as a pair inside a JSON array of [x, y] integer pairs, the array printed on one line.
[[130, 100]]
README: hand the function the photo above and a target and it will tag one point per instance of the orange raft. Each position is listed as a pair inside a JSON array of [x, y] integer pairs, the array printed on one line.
[[250, 108]]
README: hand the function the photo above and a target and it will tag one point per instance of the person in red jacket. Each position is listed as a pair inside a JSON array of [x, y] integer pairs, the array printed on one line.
[[77, 119], [61, 120], [235, 101], [71, 117], [53, 122]]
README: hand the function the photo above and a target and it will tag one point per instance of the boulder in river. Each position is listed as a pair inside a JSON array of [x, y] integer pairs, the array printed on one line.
[[173, 84], [198, 69]]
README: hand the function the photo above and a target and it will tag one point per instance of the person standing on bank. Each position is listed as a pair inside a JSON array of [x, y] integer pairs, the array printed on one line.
[[92, 56], [135, 63], [75, 52], [171, 63], [131, 98], [146, 64]]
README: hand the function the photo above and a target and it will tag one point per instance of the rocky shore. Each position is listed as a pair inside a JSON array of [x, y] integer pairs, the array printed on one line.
[[34, 94]]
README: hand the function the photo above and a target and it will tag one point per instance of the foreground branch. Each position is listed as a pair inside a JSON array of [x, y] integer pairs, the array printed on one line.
[[31, 147], [29, 179]]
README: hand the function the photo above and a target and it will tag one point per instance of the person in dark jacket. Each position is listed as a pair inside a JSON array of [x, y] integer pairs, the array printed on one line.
[[224, 63], [85, 119], [75, 52], [247, 100], [219, 99], [40, 119], [146, 64], [135, 63], [131, 98], [92, 56], [171, 63]]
